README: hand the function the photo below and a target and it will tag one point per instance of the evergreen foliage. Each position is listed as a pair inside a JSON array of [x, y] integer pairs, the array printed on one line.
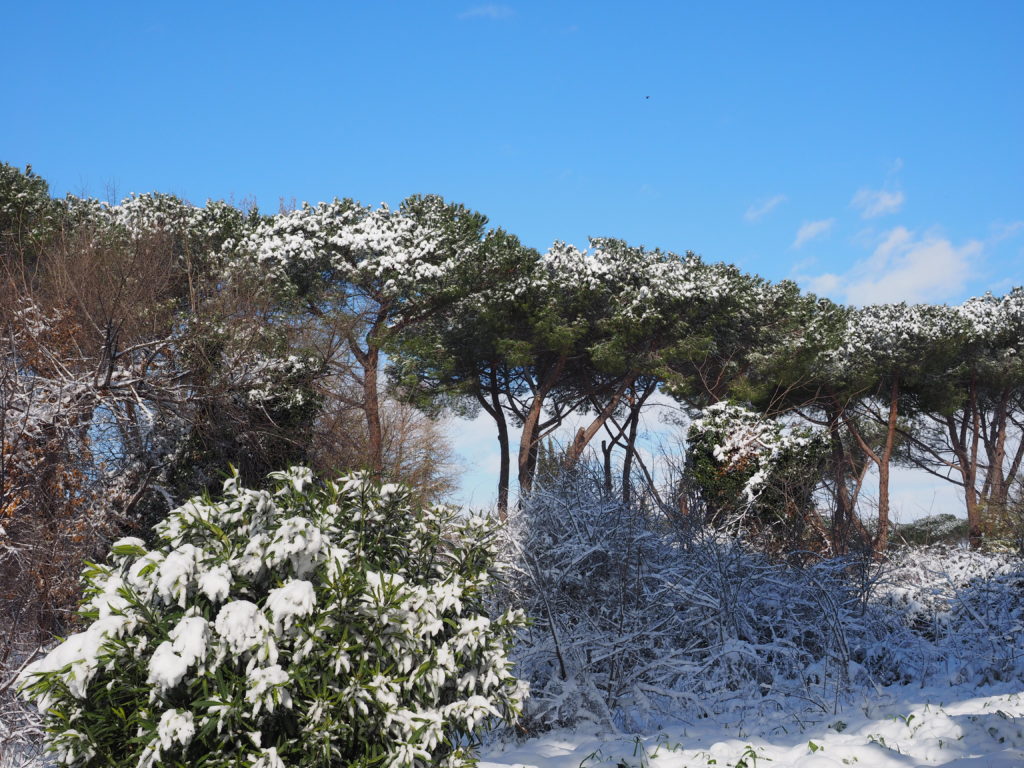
[[753, 472], [304, 625]]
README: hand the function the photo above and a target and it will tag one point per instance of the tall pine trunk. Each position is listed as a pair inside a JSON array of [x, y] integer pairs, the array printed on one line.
[[530, 435], [371, 407], [492, 405]]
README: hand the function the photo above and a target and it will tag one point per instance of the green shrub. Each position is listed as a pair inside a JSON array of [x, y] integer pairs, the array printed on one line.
[[307, 625], [744, 464]]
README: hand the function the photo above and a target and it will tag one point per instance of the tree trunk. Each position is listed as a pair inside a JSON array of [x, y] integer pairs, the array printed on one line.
[[627, 461], [371, 407], [998, 477], [882, 462], [493, 407], [974, 522], [584, 436], [632, 430], [606, 452], [843, 514], [503, 472], [531, 427], [882, 540]]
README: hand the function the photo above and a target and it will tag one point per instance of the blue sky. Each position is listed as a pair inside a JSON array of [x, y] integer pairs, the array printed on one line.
[[870, 150]]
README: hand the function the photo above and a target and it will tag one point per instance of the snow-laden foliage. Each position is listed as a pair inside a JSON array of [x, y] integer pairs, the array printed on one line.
[[644, 281], [304, 625], [753, 471], [745, 444], [995, 319], [894, 335], [357, 245], [969, 605], [26, 210], [635, 622]]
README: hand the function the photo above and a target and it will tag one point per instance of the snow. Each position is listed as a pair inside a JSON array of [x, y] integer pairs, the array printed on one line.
[[216, 583], [268, 758], [244, 628], [265, 689], [78, 658], [897, 727], [299, 541], [176, 726], [175, 574], [749, 440], [296, 598], [710, 653], [171, 660]]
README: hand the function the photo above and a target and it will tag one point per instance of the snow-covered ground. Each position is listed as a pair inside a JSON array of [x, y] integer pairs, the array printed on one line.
[[897, 727]]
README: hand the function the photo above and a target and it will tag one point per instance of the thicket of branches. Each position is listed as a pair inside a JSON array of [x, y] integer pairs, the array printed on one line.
[[639, 619]]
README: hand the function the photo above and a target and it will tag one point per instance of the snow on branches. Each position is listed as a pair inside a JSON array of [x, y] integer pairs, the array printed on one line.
[[386, 249], [745, 444]]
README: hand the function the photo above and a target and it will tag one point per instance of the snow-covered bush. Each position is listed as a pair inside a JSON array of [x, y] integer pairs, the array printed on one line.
[[754, 470], [943, 528], [636, 622], [633, 623], [968, 605], [306, 625]]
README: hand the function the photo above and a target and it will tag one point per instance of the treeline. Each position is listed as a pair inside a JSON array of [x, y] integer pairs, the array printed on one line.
[[150, 343]]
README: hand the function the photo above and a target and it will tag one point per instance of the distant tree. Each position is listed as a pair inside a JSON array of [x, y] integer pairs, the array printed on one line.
[[970, 419], [28, 215]]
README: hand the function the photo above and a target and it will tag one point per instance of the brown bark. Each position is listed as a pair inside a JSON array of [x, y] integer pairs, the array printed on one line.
[[964, 436], [882, 462], [492, 406], [585, 435], [882, 540], [974, 522], [999, 477], [369, 360], [530, 435]]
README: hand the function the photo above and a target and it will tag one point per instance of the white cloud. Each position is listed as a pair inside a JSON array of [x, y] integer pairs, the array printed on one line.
[[824, 285], [1003, 231], [811, 230], [763, 208], [489, 11], [904, 267], [877, 202]]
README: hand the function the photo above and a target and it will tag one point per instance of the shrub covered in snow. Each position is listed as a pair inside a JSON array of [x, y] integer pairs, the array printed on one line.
[[752, 469], [304, 625], [968, 605], [933, 529], [636, 623]]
